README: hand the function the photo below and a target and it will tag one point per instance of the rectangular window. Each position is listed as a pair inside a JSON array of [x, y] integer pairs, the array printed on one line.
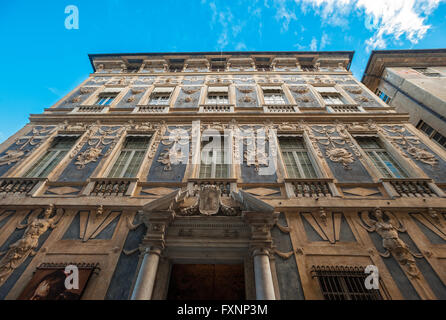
[[384, 97], [160, 99], [105, 99], [273, 96], [214, 163], [220, 98], [427, 129], [344, 283], [298, 163], [59, 148], [332, 99], [428, 72], [432, 133], [382, 160], [130, 158]]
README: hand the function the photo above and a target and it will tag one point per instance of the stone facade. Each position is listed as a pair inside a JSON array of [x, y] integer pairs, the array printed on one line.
[[285, 229]]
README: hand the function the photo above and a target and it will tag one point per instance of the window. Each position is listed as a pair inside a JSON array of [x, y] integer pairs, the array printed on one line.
[[105, 99], [308, 68], [263, 67], [344, 283], [334, 99], [382, 160], [214, 163], [384, 97], [59, 148], [220, 98], [160, 99], [297, 160], [428, 72], [432, 133], [130, 158], [330, 95], [273, 96], [175, 68]]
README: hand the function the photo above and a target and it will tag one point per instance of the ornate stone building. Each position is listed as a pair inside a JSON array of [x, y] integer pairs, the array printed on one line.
[[412, 81], [268, 175]]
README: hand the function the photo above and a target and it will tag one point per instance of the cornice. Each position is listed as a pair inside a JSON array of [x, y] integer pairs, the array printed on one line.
[[207, 117]]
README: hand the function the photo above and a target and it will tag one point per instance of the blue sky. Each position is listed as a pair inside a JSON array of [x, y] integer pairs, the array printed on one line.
[[42, 60]]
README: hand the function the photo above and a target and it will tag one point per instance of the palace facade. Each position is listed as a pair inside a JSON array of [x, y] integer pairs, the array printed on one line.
[[234, 175]]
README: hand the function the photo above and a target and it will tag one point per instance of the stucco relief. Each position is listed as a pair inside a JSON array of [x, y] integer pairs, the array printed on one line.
[[404, 142], [26, 246], [97, 140], [26, 144], [336, 139], [387, 226]]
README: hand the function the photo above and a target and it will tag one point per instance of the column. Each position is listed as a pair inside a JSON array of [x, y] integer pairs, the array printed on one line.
[[263, 277], [147, 275]]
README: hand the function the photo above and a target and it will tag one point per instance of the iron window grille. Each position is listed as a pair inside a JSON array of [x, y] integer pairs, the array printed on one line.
[[344, 283]]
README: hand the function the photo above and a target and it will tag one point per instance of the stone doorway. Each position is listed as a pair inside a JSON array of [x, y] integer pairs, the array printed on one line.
[[207, 282]]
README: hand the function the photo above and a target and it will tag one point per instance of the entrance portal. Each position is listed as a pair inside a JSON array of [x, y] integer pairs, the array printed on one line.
[[207, 282]]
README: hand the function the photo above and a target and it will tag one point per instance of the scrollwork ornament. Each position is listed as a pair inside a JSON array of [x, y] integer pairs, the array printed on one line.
[[411, 144]]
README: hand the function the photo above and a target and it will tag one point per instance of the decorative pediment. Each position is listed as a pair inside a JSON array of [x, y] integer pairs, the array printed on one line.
[[207, 201]]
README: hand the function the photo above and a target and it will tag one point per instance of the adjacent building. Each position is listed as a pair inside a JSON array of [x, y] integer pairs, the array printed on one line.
[[412, 81], [229, 175]]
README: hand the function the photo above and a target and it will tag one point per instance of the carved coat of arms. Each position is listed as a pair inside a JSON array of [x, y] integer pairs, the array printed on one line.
[[209, 201]]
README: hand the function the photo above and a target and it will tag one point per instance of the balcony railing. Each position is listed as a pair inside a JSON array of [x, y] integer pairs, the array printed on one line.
[[20, 186], [311, 188], [111, 186], [347, 108], [417, 188], [216, 108], [90, 109], [280, 108], [152, 109]]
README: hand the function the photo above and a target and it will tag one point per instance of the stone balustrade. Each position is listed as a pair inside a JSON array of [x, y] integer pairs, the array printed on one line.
[[310, 188], [20, 186], [280, 108]]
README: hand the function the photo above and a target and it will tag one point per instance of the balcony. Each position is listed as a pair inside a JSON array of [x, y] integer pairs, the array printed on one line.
[[344, 108], [90, 109], [111, 187], [20, 186], [310, 188], [216, 108], [152, 108], [414, 188], [280, 108]]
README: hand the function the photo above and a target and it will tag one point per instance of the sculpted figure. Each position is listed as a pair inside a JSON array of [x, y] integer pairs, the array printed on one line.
[[391, 240], [26, 246]]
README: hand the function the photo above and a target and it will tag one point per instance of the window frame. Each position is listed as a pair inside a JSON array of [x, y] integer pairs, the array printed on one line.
[[275, 94], [49, 161], [398, 165], [310, 155], [159, 94], [108, 98], [218, 100], [214, 164], [124, 169]]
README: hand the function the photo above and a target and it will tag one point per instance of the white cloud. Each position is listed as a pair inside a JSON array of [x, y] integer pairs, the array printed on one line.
[[240, 46], [325, 40], [285, 14], [395, 19], [313, 44]]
